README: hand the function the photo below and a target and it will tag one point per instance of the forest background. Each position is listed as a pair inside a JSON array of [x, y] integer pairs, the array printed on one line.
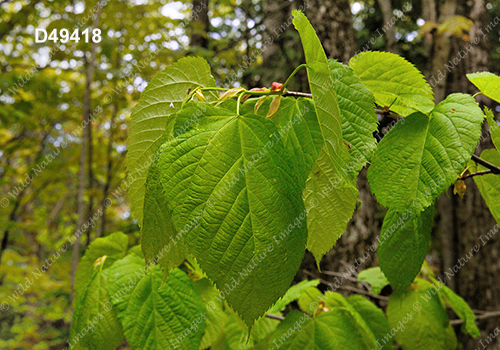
[[63, 181]]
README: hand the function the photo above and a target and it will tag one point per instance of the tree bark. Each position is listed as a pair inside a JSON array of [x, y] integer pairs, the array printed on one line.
[[387, 27], [332, 20], [200, 24], [83, 156], [464, 223], [281, 50], [333, 23]]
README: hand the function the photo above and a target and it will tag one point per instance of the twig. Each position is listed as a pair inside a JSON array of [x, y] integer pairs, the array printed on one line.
[[494, 169], [478, 317], [338, 274], [482, 172], [297, 94], [479, 311], [275, 317], [349, 268], [349, 288]]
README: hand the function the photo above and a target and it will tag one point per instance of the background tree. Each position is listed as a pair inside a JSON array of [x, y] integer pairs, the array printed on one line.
[[45, 90]]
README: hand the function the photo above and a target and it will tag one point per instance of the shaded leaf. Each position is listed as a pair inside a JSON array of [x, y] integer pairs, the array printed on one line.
[[236, 203], [113, 247], [404, 241], [460, 307], [375, 319], [488, 83], [489, 185], [155, 317], [422, 155], [162, 97], [418, 318], [375, 278], [95, 322], [394, 81]]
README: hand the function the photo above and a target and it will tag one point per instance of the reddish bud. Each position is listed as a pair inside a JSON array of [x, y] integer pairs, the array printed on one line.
[[276, 86]]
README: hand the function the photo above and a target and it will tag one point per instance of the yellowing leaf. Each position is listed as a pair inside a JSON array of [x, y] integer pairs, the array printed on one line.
[[273, 107]]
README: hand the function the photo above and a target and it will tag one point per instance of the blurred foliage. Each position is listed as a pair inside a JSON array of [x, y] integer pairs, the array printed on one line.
[[41, 98]]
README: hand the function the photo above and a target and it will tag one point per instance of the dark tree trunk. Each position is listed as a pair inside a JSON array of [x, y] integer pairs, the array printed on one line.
[[387, 27], [332, 20], [86, 139], [333, 23], [464, 223], [281, 50], [200, 24]]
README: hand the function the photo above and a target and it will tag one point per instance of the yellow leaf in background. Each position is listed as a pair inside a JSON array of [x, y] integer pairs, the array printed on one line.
[[456, 26], [428, 27]]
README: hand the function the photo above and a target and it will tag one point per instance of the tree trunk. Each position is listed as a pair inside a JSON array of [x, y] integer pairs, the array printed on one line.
[[200, 24], [332, 20], [281, 49], [85, 141], [464, 223], [388, 27], [333, 23]]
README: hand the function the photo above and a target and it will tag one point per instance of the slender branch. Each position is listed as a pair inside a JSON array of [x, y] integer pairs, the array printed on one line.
[[275, 317], [338, 274], [349, 267], [297, 94], [349, 288], [478, 317], [494, 168], [477, 94], [482, 172]]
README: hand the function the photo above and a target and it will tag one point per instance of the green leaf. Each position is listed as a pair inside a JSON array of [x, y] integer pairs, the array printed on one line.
[[137, 250], [224, 328], [298, 127], [330, 202], [314, 302], [297, 124], [494, 127], [155, 315], [451, 341], [489, 185], [236, 335], [216, 317], [356, 104], [309, 299], [323, 91], [418, 318], [159, 237], [332, 173], [487, 83], [375, 278], [294, 293], [394, 81], [236, 202], [375, 319], [403, 245], [113, 247], [460, 307], [336, 329], [162, 98], [95, 323], [422, 155]]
